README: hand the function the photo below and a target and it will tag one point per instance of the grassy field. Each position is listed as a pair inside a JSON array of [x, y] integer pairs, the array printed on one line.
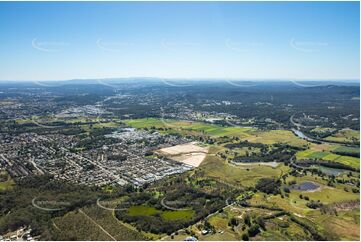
[[8, 183], [326, 194], [174, 215], [345, 226], [353, 162], [198, 127], [346, 136], [241, 176], [282, 229], [345, 149], [250, 134], [143, 210], [277, 136]]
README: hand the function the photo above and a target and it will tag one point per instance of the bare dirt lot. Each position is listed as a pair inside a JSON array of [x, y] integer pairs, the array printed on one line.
[[190, 153]]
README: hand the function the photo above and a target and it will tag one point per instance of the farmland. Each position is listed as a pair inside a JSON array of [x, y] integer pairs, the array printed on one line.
[[346, 136], [353, 162]]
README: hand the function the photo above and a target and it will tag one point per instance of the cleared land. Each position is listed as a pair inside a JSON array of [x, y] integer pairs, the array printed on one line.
[[190, 153]]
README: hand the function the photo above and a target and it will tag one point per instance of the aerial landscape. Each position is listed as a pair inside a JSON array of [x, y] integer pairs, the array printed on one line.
[[178, 157]]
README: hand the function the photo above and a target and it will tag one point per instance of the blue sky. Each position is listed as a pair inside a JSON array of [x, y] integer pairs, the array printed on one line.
[[259, 40]]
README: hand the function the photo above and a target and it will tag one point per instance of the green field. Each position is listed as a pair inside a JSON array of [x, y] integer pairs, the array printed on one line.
[[353, 162], [198, 128], [345, 136], [277, 136], [6, 184], [175, 215], [345, 149], [240, 176], [143, 210]]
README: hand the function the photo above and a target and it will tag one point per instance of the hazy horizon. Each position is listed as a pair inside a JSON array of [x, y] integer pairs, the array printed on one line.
[[189, 79]]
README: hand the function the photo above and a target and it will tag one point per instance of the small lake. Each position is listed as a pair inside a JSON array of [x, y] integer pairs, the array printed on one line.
[[305, 186]]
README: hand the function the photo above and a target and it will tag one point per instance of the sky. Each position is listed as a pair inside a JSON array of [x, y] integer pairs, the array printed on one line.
[[235, 40]]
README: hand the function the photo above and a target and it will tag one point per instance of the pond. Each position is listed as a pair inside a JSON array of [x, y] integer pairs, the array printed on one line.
[[306, 186]]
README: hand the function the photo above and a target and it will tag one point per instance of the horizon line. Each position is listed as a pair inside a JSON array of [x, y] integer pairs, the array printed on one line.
[[189, 79]]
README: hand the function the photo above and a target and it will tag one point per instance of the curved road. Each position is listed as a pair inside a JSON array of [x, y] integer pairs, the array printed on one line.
[[303, 136]]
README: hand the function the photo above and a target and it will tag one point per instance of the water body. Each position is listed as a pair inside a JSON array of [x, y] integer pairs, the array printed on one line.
[[306, 186], [302, 135]]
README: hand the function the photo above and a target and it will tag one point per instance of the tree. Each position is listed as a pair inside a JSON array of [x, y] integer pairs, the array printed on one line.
[[245, 237], [247, 219], [286, 190], [261, 223], [233, 222], [268, 185], [253, 230]]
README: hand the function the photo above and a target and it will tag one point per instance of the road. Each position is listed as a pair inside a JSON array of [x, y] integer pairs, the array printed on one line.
[[303, 136], [31, 160], [6, 159]]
